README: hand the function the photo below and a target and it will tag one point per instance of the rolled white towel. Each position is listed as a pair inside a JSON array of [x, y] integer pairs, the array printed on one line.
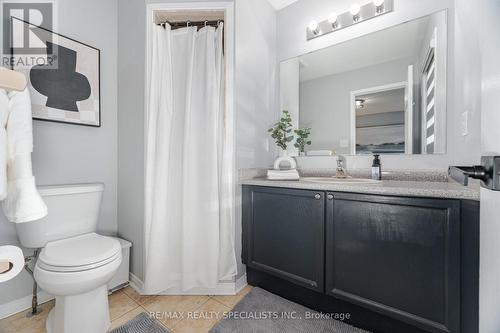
[[319, 153], [291, 174]]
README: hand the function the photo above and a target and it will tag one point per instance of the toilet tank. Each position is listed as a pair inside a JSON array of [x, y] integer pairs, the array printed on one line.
[[73, 210]]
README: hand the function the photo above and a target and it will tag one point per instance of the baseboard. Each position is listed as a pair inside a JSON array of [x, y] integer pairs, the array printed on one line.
[[223, 288], [240, 283], [22, 304], [136, 283]]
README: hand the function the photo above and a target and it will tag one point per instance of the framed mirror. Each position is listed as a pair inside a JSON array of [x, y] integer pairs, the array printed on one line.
[[382, 93]]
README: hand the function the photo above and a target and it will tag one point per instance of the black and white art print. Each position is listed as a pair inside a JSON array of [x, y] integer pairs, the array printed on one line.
[[65, 87]]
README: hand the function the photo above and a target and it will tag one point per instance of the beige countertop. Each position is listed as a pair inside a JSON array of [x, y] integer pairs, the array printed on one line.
[[430, 189]]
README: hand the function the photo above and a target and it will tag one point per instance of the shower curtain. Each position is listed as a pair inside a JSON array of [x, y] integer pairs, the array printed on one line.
[[189, 193]]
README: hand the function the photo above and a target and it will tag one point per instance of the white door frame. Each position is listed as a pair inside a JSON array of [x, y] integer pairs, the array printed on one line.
[[229, 55], [371, 90], [228, 8]]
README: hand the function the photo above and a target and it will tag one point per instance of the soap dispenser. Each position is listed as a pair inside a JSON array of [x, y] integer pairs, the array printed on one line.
[[376, 168]]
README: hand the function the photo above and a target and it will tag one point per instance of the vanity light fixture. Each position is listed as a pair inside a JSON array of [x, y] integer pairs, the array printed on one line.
[[333, 20], [355, 9], [313, 27], [379, 6], [358, 13]]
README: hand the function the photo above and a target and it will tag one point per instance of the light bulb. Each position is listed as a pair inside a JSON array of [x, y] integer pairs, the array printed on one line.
[[313, 26], [332, 18], [355, 8]]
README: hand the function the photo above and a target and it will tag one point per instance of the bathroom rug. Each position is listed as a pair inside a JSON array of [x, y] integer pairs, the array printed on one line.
[[263, 312], [141, 324]]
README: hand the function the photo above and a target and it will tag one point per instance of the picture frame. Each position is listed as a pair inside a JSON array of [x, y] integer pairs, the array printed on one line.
[[64, 82]]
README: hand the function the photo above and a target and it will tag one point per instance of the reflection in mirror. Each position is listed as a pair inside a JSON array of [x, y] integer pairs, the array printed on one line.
[[380, 120], [383, 93]]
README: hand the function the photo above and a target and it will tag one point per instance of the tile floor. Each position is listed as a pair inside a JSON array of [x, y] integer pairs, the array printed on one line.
[[200, 313]]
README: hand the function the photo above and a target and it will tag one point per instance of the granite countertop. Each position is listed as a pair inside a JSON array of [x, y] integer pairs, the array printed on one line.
[[430, 189]]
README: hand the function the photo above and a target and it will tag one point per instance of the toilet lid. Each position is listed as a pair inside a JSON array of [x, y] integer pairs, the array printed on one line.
[[77, 253]]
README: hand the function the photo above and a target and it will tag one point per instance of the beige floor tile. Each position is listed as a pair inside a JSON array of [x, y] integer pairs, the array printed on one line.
[[20, 323], [231, 301], [202, 319], [170, 309], [139, 299], [126, 317], [120, 304], [200, 313]]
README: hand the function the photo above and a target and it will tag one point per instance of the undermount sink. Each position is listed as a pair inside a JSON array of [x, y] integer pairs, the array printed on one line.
[[334, 180]]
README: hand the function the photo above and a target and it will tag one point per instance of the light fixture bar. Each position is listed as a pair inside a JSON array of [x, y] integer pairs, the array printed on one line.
[[347, 19]]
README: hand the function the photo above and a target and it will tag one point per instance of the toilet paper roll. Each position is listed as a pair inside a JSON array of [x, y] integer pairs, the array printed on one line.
[[14, 255]]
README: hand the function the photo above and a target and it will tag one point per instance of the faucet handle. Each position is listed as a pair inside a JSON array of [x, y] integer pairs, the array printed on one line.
[[340, 161], [341, 172]]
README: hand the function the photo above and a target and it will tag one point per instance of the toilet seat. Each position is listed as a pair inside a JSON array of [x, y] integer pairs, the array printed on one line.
[[80, 253]]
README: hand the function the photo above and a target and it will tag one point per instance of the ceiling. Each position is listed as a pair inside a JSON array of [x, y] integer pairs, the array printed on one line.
[[279, 4], [399, 42]]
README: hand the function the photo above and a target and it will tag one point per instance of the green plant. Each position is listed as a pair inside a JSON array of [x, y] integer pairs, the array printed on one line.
[[302, 138], [280, 132]]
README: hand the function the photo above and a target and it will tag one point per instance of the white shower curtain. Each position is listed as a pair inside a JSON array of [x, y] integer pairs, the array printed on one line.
[[189, 194]]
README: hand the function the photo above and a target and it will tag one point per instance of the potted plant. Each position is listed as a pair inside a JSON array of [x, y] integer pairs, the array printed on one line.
[[302, 139], [281, 132]]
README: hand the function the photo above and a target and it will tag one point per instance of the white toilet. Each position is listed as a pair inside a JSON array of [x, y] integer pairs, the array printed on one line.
[[75, 263]]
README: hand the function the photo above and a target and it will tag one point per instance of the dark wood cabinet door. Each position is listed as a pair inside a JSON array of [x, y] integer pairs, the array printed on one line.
[[397, 256], [284, 234]]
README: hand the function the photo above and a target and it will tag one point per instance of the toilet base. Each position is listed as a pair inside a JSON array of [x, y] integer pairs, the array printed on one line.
[[81, 313]]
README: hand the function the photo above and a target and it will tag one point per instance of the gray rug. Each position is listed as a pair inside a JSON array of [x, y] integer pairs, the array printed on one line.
[[141, 324], [258, 302]]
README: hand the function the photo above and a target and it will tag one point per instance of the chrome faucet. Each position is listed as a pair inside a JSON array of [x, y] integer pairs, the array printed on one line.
[[341, 171]]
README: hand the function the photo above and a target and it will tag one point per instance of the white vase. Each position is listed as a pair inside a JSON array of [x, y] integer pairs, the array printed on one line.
[[288, 161]]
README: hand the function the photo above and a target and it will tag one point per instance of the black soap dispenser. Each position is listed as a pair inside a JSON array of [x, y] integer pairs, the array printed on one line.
[[376, 168]]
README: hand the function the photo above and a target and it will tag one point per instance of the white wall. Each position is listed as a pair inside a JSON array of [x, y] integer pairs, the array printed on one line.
[[256, 93], [483, 54], [66, 153], [292, 22], [255, 107], [131, 80], [256, 82]]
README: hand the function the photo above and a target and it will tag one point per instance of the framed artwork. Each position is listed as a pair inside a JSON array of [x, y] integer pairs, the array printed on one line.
[[65, 80]]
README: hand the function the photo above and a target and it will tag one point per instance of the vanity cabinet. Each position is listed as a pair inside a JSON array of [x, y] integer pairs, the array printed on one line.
[[399, 256], [286, 235], [396, 264]]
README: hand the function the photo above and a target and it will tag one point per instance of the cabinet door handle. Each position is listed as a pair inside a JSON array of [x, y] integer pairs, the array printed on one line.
[[317, 196], [330, 196]]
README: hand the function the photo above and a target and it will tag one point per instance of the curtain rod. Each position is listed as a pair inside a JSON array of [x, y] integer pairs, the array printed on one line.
[[199, 24]]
